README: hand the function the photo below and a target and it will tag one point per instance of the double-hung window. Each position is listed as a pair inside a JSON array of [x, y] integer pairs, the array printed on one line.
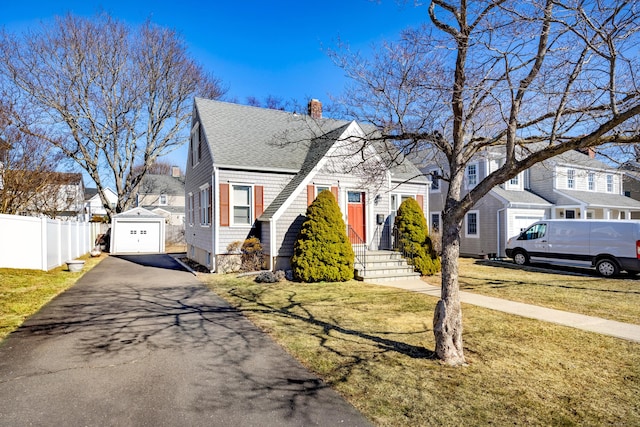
[[190, 217], [571, 178], [609, 183], [472, 175], [471, 229], [241, 204], [591, 181], [205, 205]]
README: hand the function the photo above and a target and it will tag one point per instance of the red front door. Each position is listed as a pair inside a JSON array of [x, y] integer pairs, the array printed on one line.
[[356, 217]]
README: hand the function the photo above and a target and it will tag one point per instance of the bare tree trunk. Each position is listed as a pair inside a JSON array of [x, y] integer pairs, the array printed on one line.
[[447, 319]]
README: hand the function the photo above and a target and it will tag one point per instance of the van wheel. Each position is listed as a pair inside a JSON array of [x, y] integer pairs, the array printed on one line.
[[520, 257], [607, 267]]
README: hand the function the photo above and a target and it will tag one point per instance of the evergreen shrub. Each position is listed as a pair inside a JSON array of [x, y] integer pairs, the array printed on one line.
[[322, 251], [414, 239]]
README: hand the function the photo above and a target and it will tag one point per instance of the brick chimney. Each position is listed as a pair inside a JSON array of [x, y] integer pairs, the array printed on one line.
[[175, 171], [589, 152], [315, 109]]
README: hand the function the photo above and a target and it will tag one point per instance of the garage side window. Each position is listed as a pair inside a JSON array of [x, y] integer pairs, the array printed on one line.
[[205, 206]]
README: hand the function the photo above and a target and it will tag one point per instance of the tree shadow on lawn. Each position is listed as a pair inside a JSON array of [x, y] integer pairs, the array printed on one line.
[[383, 344]]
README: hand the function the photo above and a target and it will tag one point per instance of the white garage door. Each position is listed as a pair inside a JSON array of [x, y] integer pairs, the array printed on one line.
[[521, 223], [138, 237]]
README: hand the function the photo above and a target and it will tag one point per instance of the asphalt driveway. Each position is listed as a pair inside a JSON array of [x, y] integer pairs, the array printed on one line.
[[140, 342]]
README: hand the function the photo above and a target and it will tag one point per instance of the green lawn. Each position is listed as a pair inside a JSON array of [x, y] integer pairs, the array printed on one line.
[[614, 299], [24, 292], [374, 345]]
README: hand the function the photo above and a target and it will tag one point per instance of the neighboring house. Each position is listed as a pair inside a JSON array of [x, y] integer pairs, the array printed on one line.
[[61, 197], [631, 182], [253, 172], [164, 195], [94, 210], [571, 185]]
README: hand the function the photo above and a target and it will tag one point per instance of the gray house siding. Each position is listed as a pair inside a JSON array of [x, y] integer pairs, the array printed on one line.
[[272, 184], [199, 238]]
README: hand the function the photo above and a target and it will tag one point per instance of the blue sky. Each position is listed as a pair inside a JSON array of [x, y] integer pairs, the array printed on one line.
[[258, 48]]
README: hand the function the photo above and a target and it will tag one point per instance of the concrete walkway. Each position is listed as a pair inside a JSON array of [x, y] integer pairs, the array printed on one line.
[[140, 342], [588, 323]]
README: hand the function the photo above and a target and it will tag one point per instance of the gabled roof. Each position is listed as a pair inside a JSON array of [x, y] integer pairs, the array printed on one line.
[[596, 199], [247, 137], [520, 197], [137, 213], [316, 153], [161, 184]]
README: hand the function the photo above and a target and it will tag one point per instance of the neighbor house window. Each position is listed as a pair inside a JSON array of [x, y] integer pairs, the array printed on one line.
[[515, 181], [435, 180], [472, 175], [591, 181], [195, 145], [609, 183], [435, 222], [571, 178], [241, 204], [205, 205], [163, 200], [472, 224], [190, 208]]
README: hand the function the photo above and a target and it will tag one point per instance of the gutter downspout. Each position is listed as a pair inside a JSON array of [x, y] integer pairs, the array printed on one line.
[[215, 178]]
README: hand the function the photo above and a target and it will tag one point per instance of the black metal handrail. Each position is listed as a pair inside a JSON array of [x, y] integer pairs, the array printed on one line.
[[359, 247]]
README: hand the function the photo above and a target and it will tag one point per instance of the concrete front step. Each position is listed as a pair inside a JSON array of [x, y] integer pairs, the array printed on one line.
[[385, 265]]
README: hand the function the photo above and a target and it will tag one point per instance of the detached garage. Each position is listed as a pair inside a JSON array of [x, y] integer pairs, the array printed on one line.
[[137, 231]]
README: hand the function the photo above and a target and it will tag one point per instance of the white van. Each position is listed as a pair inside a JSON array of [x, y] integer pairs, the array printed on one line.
[[610, 246]]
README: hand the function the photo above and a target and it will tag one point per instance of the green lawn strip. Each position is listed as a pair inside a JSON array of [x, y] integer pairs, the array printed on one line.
[[24, 292], [613, 299], [374, 345]]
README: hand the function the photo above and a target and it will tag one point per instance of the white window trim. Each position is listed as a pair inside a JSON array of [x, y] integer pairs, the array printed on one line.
[[195, 143], [323, 186], [190, 209], [466, 225], [509, 185], [165, 202], [571, 179], [430, 224], [466, 175], [591, 182], [204, 208], [610, 182], [232, 222]]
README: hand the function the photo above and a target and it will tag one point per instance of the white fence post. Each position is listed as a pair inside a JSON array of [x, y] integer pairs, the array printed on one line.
[[43, 244]]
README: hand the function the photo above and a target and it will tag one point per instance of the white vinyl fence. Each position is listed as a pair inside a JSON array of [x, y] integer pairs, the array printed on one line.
[[41, 243]]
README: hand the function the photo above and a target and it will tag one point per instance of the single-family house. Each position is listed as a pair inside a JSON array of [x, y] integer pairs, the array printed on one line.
[[94, 209], [253, 172], [57, 195], [571, 185], [164, 195]]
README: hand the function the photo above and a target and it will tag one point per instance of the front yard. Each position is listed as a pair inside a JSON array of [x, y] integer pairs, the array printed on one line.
[[613, 299], [374, 345]]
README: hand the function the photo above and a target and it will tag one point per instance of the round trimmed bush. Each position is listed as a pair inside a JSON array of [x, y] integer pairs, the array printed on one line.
[[322, 251], [414, 240]]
